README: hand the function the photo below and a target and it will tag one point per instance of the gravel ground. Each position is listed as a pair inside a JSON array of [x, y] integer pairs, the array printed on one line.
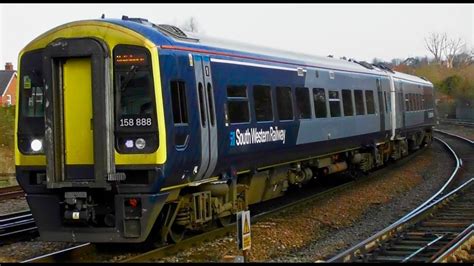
[[465, 131], [379, 217], [13, 205], [338, 221]]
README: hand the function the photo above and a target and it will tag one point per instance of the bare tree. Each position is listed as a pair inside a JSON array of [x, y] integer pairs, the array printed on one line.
[[452, 48], [191, 25], [464, 58], [436, 43]]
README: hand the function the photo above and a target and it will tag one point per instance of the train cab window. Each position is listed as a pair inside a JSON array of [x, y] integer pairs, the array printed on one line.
[[32, 87], [262, 97], [334, 104], [237, 104], [319, 97], [303, 103], [178, 102], [284, 103], [135, 114], [31, 100], [347, 102], [359, 102], [369, 98], [134, 87]]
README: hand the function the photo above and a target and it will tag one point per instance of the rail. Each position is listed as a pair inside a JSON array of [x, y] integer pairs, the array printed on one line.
[[396, 228]]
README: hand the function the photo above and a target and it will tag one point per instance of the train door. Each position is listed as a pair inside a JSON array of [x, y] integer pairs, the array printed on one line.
[[207, 114], [381, 105], [78, 114]]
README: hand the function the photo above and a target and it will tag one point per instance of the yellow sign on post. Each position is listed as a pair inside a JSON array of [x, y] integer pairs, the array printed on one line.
[[243, 230]]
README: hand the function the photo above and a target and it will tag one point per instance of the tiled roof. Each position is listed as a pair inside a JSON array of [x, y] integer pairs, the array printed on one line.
[[5, 77]]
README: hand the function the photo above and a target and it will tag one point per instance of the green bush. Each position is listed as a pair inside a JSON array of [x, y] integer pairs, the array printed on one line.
[[7, 126]]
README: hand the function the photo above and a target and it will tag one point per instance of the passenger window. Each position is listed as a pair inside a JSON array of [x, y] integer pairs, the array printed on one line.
[[237, 104], [178, 102], [319, 97], [284, 103], [263, 103], [359, 102], [400, 101], [347, 102], [303, 103], [334, 104], [369, 98]]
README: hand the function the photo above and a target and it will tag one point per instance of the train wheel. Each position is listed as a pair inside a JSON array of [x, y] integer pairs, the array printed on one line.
[[224, 221], [176, 233]]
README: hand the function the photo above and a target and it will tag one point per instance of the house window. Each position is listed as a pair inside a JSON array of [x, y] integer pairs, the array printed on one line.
[[9, 100]]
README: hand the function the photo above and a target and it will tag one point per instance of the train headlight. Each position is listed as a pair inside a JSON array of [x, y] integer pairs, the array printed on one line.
[[36, 145], [140, 143], [129, 143]]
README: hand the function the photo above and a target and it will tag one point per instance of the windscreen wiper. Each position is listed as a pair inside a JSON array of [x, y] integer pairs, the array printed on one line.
[[129, 77]]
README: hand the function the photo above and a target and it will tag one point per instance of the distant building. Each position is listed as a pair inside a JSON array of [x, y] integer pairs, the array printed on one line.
[[8, 85]]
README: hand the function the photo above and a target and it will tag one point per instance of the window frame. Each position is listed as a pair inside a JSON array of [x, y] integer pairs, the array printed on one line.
[[277, 90], [339, 100], [351, 102], [238, 99], [272, 109], [373, 102], [364, 109], [326, 103], [308, 102], [180, 103]]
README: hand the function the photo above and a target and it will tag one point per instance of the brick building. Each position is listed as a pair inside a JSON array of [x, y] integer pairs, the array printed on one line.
[[8, 85]]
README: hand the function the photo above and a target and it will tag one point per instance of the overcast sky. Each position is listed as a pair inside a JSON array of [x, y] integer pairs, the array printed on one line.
[[359, 31]]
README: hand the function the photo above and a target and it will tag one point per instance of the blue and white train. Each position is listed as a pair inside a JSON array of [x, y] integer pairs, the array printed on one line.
[[127, 130]]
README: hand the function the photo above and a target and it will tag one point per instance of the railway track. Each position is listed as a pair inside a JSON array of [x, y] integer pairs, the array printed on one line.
[[83, 252], [432, 231], [457, 122], [16, 226], [11, 192]]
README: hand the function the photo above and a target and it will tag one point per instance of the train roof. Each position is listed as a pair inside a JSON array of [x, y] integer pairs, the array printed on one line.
[[171, 36]]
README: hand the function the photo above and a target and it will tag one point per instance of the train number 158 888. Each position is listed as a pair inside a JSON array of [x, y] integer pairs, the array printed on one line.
[[135, 122]]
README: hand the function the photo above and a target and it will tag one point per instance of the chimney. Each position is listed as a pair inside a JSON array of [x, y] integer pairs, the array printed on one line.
[[9, 66]]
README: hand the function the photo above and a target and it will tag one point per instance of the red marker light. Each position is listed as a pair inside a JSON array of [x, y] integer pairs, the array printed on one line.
[[133, 202]]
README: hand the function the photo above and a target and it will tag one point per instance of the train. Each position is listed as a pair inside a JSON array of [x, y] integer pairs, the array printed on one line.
[[127, 130]]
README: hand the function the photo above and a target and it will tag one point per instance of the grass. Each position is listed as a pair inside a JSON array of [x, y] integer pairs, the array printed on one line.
[[7, 128]]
